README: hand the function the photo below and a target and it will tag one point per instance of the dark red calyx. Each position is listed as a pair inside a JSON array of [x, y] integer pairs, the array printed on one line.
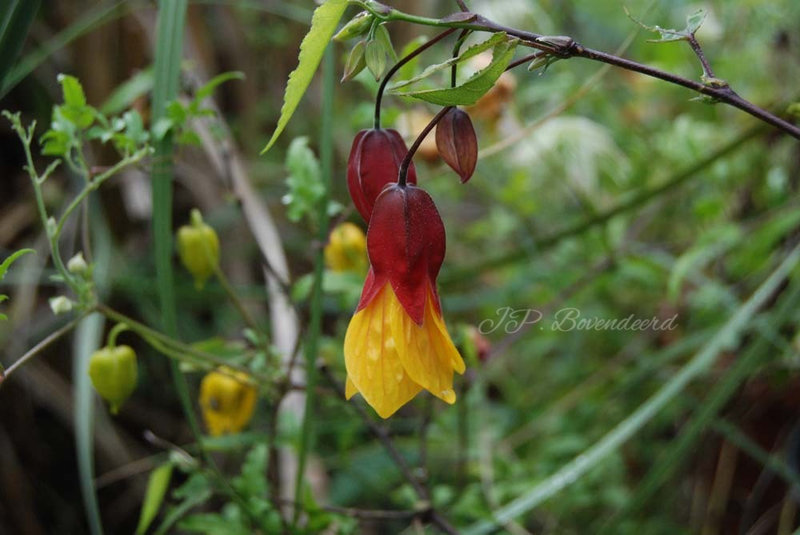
[[374, 162], [457, 142]]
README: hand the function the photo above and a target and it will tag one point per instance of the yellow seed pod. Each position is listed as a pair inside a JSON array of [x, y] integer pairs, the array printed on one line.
[[227, 401], [198, 249], [346, 249], [113, 372]]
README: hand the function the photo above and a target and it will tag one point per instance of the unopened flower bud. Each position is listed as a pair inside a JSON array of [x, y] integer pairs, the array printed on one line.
[[457, 142], [355, 61], [114, 373], [60, 305], [77, 264], [346, 249], [198, 248], [358, 25], [374, 162]]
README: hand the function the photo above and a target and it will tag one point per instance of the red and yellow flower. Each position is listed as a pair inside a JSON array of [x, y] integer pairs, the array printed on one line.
[[397, 343]]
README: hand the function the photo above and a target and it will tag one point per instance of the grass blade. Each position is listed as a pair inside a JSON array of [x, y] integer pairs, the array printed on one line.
[[16, 18]]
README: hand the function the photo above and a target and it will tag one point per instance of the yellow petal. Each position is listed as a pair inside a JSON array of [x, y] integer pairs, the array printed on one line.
[[350, 389], [371, 359], [427, 352]]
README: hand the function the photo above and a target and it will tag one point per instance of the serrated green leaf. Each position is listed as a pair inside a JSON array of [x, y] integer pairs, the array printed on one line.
[[695, 20], [10, 260], [495, 40], [157, 486], [252, 481], [304, 180], [323, 24], [470, 91], [72, 90]]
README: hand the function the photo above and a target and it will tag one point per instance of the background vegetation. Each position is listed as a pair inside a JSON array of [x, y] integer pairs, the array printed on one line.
[[596, 189]]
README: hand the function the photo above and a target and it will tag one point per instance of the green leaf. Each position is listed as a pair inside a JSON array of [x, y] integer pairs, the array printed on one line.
[[157, 486], [253, 480], [123, 96], [471, 52], [668, 35], [304, 181], [695, 20], [410, 67], [75, 108], [73, 91], [10, 260], [470, 91], [213, 524], [323, 24], [209, 87]]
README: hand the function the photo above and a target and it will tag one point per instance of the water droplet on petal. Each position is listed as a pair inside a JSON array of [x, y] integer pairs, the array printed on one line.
[[448, 395]]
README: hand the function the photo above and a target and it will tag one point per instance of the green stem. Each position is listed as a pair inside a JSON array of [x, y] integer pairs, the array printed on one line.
[[237, 302], [315, 324], [111, 342], [176, 349], [95, 183]]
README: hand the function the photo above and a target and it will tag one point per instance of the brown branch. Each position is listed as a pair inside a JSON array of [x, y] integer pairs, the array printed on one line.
[[567, 47], [417, 51], [35, 350]]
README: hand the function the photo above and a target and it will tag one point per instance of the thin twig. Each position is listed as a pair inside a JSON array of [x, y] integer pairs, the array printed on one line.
[[35, 350], [404, 165], [381, 434], [698, 51], [417, 51], [567, 47]]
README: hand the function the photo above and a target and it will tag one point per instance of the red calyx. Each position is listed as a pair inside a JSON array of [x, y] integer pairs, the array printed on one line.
[[406, 246], [374, 162], [457, 142]]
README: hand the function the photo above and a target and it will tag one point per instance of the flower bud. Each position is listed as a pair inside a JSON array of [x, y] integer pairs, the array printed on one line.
[[198, 248], [346, 249], [60, 305], [113, 372], [457, 142], [374, 162], [375, 57], [77, 265], [227, 400], [355, 62], [358, 25]]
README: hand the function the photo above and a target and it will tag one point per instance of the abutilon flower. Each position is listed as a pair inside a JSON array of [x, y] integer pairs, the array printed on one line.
[[397, 343], [374, 162]]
